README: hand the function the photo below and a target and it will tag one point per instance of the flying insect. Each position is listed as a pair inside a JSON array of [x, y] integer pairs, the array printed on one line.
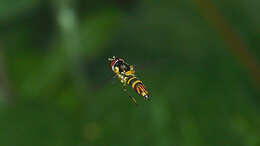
[[126, 74]]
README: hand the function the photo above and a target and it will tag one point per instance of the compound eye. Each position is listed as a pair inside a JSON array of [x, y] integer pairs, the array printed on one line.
[[113, 64]]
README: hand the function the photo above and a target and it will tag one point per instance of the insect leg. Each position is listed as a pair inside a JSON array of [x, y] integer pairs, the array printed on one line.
[[132, 98]]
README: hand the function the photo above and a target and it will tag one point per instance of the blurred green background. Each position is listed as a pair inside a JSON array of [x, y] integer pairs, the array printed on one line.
[[199, 59]]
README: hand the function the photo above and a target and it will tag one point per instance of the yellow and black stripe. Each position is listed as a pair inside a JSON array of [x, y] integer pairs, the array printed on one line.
[[137, 85]]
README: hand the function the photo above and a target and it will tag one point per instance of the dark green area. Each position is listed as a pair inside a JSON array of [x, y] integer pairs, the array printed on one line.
[[56, 88]]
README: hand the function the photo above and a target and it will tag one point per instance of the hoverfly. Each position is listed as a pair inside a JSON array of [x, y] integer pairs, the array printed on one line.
[[126, 74]]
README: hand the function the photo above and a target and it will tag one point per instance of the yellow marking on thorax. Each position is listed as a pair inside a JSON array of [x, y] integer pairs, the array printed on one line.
[[128, 73], [131, 71]]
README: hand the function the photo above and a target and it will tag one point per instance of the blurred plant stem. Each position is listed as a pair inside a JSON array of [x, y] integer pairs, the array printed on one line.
[[235, 42], [5, 92], [72, 48]]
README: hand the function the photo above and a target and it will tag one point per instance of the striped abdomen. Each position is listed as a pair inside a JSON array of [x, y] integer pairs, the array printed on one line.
[[138, 86]]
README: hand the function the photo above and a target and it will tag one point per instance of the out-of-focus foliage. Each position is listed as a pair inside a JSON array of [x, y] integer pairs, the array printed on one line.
[[56, 87]]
